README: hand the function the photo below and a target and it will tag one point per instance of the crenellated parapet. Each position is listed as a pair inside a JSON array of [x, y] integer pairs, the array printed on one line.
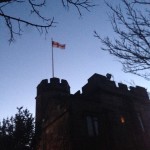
[[98, 81], [55, 84]]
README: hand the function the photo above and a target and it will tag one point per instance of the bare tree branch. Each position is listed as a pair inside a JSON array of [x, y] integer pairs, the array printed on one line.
[[79, 4], [14, 24], [132, 46]]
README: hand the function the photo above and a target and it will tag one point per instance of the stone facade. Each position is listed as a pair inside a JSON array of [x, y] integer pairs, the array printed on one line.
[[104, 116]]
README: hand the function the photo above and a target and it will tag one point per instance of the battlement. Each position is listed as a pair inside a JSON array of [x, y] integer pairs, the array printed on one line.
[[105, 83], [55, 85]]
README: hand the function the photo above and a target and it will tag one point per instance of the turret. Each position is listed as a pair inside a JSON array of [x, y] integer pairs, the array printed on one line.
[[47, 95]]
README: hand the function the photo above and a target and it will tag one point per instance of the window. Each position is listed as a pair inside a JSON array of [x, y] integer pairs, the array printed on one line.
[[122, 120], [92, 125], [141, 122]]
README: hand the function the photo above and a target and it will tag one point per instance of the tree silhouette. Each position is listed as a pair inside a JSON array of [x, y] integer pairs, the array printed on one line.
[[17, 133], [14, 24], [131, 23]]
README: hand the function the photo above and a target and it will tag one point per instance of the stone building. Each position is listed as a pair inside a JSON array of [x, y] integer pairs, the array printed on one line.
[[103, 116]]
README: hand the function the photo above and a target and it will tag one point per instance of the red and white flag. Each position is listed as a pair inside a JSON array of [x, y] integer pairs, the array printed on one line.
[[58, 45]]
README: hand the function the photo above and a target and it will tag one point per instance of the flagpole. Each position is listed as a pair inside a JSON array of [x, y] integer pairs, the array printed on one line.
[[52, 60]]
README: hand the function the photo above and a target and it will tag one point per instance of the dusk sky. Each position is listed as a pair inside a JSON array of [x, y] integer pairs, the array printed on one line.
[[27, 61]]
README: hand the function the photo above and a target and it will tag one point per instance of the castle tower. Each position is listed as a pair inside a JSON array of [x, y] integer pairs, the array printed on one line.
[[48, 99]]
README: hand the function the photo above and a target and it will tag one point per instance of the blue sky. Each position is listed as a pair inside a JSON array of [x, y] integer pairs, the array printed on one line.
[[27, 61]]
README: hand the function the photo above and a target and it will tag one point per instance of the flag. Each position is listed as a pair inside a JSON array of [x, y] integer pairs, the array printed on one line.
[[58, 45]]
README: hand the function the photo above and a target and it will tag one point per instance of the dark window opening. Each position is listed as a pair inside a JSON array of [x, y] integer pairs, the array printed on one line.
[[92, 125], [141, 122]]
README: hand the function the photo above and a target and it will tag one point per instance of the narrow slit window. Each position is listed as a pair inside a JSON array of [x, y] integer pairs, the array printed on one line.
[[141, 122]]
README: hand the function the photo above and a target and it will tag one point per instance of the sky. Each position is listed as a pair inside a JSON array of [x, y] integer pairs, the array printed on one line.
[[27, 61]]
